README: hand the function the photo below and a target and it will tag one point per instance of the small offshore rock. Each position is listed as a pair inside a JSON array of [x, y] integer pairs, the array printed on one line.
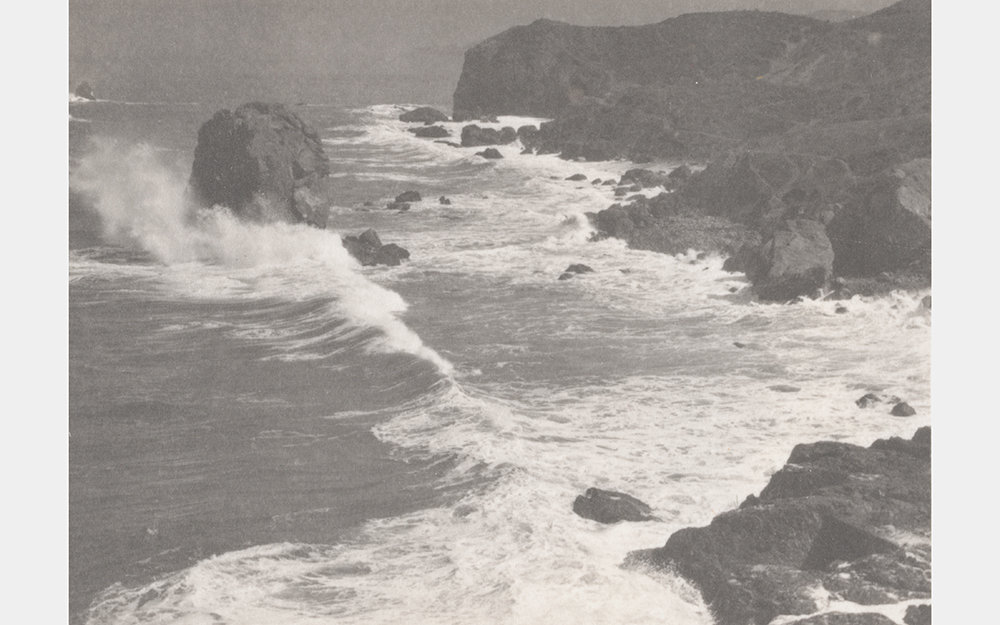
[[490, 153], [595, 181], [566, 276], [444, 200], [785, 388], [840, 310], [607, 507], [926, 303], [903, 409], [576, 177], [739, 345], [408, 196], [579, 268], [609, 183], [733, 289]]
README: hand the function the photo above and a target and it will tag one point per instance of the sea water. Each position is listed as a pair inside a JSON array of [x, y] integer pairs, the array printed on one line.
[[263, 431]]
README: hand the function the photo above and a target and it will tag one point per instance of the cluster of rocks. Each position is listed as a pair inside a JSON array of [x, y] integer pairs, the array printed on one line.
[[838, 522], [368, 249]]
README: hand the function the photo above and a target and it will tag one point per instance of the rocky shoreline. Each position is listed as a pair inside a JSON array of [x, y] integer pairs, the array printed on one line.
[[838, 528]]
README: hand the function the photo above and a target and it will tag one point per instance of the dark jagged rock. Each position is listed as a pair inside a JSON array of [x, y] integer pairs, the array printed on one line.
[[430, 132], [606, 506], [423, 114], [826, 522], [368, 249], [903, 409], [887, 226], [918, 615], [490, 153], [473, 136], [408, 196], [85, 91], [263, 162], [797, 261]]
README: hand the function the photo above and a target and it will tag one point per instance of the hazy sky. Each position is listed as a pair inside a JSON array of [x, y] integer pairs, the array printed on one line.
[[348, 52]]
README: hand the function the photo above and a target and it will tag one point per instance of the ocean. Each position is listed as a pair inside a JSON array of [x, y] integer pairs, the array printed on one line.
[[264, 431]]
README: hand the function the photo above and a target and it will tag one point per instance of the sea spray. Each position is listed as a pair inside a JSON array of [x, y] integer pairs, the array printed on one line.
[[144, 205]]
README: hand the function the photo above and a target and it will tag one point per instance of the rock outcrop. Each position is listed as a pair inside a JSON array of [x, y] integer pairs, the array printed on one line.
[[473, 136], [828, 526], [423, 114], [264, 163]]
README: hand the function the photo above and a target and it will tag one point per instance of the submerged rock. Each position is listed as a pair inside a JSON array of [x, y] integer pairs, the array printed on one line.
[[492, 153], [263, 162], [579, 268], [430, 132], [606, 506]]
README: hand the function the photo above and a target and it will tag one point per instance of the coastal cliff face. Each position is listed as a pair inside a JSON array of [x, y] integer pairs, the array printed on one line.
[[806, 127], [703, 82]]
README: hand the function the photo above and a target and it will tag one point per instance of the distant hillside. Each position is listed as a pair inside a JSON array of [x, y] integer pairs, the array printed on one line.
[[693, 85]]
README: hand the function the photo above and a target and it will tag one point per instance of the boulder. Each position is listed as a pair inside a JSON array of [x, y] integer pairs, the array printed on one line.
[[264, 163], [85, 91], [408, 196], [368, 249], [903, 409], [826, 523], [423, 114], [473, 136], [444, 201], [490, 153], [577, 177], [579, 268], [795, 262], [886, 227], [606, 506], [430, 132], [566, 275]]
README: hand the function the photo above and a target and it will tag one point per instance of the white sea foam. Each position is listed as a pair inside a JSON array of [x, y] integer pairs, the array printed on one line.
[[212, 254]]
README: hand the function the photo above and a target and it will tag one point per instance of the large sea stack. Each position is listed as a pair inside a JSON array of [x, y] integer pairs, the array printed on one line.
[[264, 163], [816, 135]]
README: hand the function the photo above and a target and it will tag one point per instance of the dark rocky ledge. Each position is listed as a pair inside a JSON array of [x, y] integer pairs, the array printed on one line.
[[838, 520]]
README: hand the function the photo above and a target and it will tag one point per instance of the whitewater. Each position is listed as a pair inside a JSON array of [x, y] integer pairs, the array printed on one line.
[[264, 431]]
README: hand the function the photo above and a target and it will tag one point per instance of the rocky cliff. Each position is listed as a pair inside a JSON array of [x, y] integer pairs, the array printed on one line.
[[817, 135]]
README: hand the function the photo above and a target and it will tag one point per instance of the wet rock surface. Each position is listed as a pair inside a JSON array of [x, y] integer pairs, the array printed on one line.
[[828, 522]]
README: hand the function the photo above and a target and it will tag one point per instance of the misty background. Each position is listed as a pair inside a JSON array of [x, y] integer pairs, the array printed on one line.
[[342, 52]]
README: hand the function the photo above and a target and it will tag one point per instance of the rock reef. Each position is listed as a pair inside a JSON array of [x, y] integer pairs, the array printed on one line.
[[838, 522]]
